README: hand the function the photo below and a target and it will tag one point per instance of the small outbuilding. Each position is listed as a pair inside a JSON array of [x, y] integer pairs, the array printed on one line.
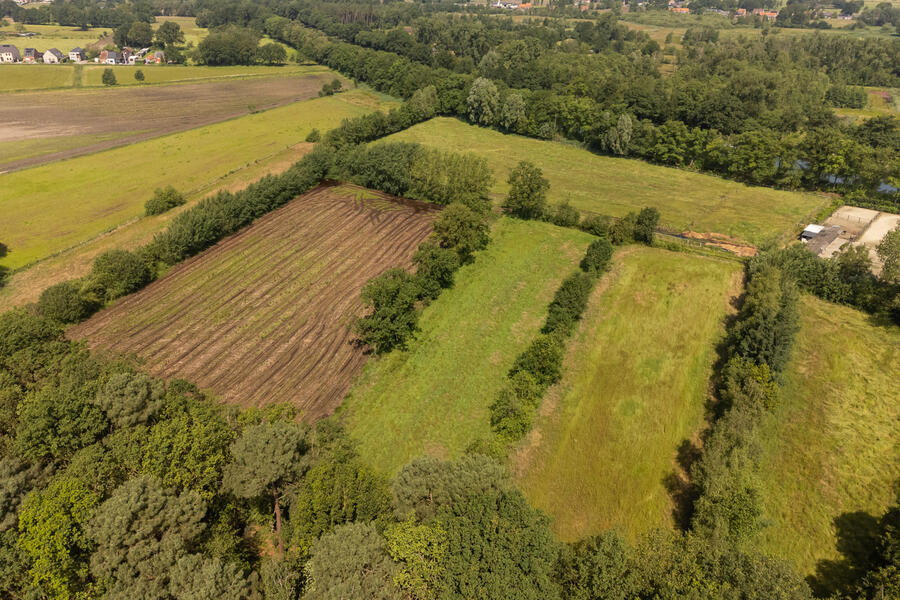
[[811, 231]]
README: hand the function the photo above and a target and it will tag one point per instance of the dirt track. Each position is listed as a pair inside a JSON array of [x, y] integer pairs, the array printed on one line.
[[265, 315], [133, 114]]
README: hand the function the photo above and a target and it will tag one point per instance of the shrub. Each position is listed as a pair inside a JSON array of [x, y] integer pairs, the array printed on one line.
[[542, 360], [120, 272], [63, 302], [622, 231], [568, 303], [332, 88], [527, 197], [393, 319], [565, 215], [109, 77], [513, 410], [462, 229], [435, 267], [596, 259], [645, 225], [597, 225], [314, 136], [163, 200], [139, 75]]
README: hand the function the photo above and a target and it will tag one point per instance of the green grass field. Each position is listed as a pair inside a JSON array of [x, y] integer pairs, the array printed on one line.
[[831, 446], [615, 186], [634, 388], [433, 398], [51, 208]]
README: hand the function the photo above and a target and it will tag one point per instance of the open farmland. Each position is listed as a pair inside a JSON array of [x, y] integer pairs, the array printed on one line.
[[614, 186], [52, 208], [831, 457], [634, 389], [433, 398], [40, 127], [265, 316]]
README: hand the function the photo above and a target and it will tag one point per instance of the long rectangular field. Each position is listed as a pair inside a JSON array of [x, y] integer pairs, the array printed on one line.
[[266, 315], [52, 208], [433, 398], [831, 454], [634, 388], [614, 186]]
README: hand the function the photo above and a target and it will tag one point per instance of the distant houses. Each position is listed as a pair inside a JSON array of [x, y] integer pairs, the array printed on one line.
[[53, 57], [9, 54], [30, 55], [77, 55]]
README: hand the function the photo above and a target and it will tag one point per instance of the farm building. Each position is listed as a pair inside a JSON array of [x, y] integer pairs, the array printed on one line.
[[9, 54], [53, 56], [811, 231], [76, 55]]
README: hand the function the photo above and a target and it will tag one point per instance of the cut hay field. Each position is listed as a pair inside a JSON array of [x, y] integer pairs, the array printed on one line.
[[831, 455], [433, 398], [634, 388], [52, 208], [40, 127], [265, 316], [614, 186]]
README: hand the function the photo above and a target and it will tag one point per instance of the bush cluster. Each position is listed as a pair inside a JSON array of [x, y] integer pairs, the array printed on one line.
[[163, 199], [728, 507]]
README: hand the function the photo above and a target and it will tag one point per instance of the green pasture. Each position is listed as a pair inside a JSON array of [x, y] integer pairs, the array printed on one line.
[[50, 208], [831, 454], [634, 389], [615, 186], [53, 36], [433, 398]]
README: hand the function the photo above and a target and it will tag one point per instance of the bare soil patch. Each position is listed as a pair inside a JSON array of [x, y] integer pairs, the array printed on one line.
[[137, 113], [265, 316], [725, 242]]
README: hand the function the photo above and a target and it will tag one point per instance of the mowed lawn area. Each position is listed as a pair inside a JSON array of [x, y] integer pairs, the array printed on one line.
[[51, 208], [634, 388], [831, 447], [433, 398], [615, 186]]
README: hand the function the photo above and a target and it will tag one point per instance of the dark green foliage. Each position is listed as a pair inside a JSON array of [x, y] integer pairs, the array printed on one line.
[[565, 215], [542, 360], [331, 88], [139, 76], [199, 578], [271, 54], [448, 177], [163, 200], [20, 329], [63, 302], [17, 479], [229, 46], [845, 96], [141, 532], [596, 225], [392, 297], [621, 231], [109, 77], [351, 563], [55, 421], [460, 228], [314, 136], [569, 303], [645, 226], [598, 256], [435, 267], [597, 567], [130, 399], [513, 410], [119, 272], [527, 198]]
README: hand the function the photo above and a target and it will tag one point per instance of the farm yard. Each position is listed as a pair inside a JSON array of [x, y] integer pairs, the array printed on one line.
[[265, 316], [40, 127], [615, 186], [433, 398], [830, 454], [634, 389], [52, 208]]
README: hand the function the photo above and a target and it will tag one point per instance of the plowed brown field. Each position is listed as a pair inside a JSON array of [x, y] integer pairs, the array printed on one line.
[[265, 316]]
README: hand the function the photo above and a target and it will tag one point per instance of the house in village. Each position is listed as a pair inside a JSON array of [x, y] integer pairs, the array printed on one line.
[[9, 54], [31, 55], [77, 55], [125, 56], [53, 57], [108, 57], [157, 58]]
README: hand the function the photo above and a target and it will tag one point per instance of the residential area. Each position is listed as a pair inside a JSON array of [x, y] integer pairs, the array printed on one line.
[[126, 56]]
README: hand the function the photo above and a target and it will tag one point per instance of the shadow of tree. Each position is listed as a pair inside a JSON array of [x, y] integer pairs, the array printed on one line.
[[857, 534], [3, 270], [681, 489]]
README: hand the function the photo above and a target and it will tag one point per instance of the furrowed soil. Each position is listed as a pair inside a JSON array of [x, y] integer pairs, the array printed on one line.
[[41, 127], [265, 316]]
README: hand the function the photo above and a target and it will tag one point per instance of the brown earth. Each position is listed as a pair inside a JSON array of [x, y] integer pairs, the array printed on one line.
[[720, 240], [134, 114], [265, 316]]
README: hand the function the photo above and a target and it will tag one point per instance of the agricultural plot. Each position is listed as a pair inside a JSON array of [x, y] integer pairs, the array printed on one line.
[[830, 458], [634, 389], [40, 127], [433, 398], [55, 207], [265, 316], [615, 186]]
